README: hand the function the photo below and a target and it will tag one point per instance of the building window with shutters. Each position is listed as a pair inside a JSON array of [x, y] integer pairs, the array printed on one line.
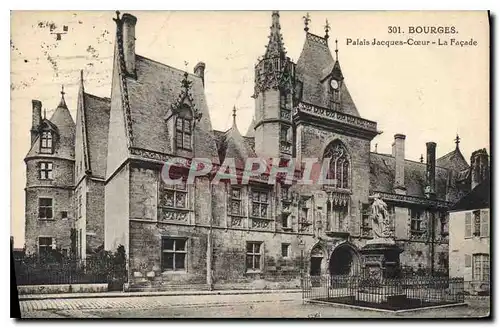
[[468, 260], [477, 224], [253, 261], [481, 267], [485, 222], [476, 216], [45, 171], [174, 252], [468, 225]]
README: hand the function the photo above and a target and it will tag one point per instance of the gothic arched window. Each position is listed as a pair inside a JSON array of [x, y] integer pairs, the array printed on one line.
[[339, 164], [183, 128]]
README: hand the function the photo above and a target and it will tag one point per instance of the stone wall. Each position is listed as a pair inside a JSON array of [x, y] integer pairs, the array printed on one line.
[[95, 213], [58, 227]]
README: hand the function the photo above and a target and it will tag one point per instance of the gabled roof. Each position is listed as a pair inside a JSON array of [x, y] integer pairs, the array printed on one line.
[[478, 198], [97, 124], [314, 68], [152, 95], [453, 160]]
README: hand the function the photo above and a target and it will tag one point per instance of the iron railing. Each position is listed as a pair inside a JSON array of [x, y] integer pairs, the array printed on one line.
[[67, 272], [363, 289]]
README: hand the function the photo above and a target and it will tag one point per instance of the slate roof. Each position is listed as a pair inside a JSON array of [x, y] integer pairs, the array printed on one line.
[[251, 129], [97, 125], [231, 144], [453, 160], [478, 198], [382, 171], [156, 88], [314, 66]]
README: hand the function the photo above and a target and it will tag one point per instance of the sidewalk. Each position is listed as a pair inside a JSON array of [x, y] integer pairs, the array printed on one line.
[[163, 293]]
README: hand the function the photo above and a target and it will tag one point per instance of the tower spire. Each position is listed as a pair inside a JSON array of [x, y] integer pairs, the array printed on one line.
[[307, 20], [234, 116], [336, 50], [275, 47], [457, 140], [62, 103]]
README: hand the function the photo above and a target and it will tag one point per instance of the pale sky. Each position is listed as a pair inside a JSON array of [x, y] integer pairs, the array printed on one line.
[[428, 93]]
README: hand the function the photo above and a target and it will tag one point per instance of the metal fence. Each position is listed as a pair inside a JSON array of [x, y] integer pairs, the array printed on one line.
[[394, 292], [68, 272], [33, 271]]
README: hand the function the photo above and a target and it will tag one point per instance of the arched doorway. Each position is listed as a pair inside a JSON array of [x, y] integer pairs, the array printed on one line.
[[344, 260], [316, 261]]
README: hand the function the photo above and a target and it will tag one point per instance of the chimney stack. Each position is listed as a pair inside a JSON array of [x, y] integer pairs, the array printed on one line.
[[36, 118], [479, 167], [199, 70], [430, 189], [128, 30], [399, 154]]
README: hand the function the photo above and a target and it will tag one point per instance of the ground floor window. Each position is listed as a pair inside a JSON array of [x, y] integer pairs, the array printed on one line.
[[45, 245], [253, 256], [481, 267], [174, 252]]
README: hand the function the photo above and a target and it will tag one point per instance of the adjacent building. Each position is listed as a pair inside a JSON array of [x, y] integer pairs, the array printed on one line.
[[470, 230], [65, 170], [49, 180]]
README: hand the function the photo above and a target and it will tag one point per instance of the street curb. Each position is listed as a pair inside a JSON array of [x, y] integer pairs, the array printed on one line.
[[146, 294]]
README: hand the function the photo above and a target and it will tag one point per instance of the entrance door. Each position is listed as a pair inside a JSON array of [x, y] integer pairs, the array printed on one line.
[[316, 266], [315, 271]]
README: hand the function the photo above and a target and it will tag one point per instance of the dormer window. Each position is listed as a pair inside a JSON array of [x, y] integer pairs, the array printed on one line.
[[46, 144], [183, 128]]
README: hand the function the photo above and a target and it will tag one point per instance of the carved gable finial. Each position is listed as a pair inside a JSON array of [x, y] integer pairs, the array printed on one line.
[[185, 98], [307, 20], [327, 29], [457, 140]]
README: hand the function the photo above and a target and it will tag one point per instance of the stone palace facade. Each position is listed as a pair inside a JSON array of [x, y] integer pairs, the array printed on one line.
[[98, 181]]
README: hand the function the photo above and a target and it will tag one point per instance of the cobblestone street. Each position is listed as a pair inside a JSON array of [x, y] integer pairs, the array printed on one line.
[[278, 305]]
